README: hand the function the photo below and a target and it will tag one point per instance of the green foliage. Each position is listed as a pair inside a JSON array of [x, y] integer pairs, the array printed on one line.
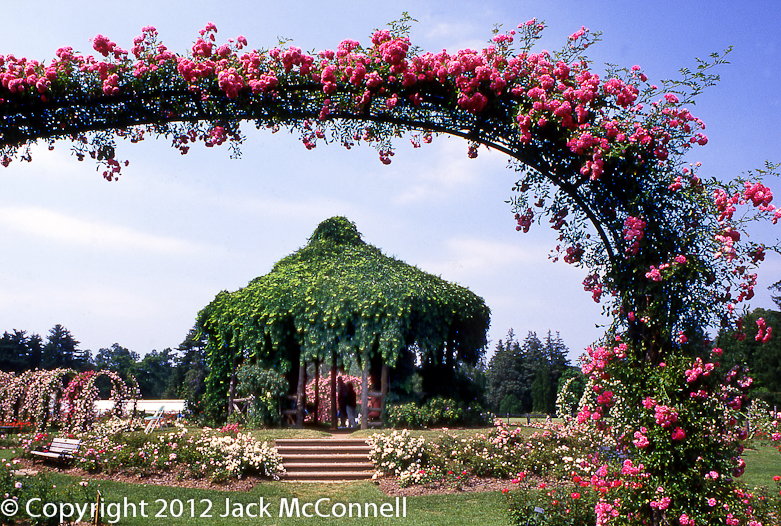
[[20, 351], [437, 412], [529, 372], [573, 507], [510, 405], [266, 386], [340, 294], [39, 490], [189, 378], [762, 358]]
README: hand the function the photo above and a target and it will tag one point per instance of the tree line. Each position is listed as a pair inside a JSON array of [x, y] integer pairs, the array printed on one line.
[[521, 377], [164, 374], [525, 377]]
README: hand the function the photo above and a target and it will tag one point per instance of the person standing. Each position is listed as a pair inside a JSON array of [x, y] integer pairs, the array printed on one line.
[[351, 403], [341, 401]]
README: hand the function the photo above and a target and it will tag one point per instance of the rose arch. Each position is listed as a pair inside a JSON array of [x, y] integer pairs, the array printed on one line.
[[603, 156]]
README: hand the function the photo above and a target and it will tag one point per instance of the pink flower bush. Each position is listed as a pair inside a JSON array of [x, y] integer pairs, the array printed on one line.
[[667, 252]]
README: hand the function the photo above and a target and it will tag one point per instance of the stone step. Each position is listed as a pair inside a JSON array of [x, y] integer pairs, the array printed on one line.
[[335, 442], [330, 457], [327, 476], [322, 450], [328, 466], [325, 460]]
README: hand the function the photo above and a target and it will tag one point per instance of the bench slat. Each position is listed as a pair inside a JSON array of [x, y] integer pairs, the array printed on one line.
[[74, 441], [60, 449]]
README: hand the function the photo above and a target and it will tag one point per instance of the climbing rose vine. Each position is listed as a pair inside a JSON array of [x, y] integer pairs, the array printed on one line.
[[603, 155], [60, 396]]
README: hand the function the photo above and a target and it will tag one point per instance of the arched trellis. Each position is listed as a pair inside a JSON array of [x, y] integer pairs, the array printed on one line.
[[38, 396], [607, 160], [603, 157], [33, 396], [82, 393]]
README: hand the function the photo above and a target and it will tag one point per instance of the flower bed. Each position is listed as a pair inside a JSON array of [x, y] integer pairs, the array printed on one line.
[[119, 446], [551, 451]]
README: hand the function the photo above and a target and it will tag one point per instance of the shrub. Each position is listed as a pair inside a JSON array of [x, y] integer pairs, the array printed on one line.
[[209, 453], [38, 490], [437, 412], [398, 452], [266, 386]]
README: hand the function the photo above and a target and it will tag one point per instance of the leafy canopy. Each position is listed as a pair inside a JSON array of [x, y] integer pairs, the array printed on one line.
[[341, 294]]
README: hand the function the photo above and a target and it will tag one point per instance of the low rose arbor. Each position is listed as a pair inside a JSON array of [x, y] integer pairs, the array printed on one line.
[[339, 300], [601, 154], [61, 397]]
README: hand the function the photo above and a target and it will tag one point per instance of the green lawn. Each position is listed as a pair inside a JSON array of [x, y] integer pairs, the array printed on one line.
[[193, 506], [197, 505], [762, 464], [204, 507]]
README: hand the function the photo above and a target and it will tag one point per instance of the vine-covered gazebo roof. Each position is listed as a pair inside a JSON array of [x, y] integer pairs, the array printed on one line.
[[339, 293]]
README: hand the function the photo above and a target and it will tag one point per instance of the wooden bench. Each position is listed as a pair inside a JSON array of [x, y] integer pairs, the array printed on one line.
[[61, 449]]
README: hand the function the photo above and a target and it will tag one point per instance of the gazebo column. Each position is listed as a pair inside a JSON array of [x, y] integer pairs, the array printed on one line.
[[383, 390], [301, 398], [365, 391], [334, 416], [317, 391]]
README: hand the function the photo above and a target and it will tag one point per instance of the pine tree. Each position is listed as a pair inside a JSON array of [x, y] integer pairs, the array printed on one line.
[[60, 350]]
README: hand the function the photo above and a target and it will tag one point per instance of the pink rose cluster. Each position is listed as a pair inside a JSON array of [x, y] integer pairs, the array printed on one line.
[[655, 274], [698, 368], [641, 440], [763, 331], [757, 194], [634, 228], [665, 416]]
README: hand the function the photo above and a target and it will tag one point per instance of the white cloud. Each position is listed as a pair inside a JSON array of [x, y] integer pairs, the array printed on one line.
[[40, 222], [444, 171], [463, 257]]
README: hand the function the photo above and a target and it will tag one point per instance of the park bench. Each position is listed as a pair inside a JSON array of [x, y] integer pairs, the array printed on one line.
[[61, 449]]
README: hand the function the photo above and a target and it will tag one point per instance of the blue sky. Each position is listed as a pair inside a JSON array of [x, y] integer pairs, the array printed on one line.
[[132, 262]]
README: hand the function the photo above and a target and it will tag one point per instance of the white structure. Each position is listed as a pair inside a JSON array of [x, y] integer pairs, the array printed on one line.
[[147, 406]]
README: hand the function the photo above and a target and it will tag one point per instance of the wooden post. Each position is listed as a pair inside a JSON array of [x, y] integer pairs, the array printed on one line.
[[301, 402], [383, 390], [334, 423], [365, 392]]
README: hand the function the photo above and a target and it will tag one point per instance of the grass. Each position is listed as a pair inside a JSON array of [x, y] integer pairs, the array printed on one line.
[[762, 463], [436, 510], [484, 508]]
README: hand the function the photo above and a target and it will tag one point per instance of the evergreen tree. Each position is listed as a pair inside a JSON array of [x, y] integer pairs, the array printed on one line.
[[19, 352], [60, 350], [763, 359], [503, 376], [525, 377], [189, 376], [542, 390]]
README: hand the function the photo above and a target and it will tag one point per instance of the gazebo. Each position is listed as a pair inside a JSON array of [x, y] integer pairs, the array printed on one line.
[[339, 299]]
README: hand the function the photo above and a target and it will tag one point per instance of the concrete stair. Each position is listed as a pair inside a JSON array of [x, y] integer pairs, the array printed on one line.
[[325, 459]]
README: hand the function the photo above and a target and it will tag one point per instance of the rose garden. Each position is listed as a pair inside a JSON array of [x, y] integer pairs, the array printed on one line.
[[661, 430]]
